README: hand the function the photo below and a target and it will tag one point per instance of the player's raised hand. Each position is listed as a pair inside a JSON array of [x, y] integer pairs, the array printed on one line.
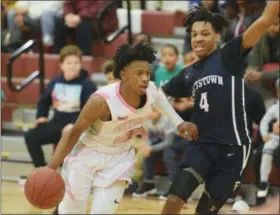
[[188, 131]]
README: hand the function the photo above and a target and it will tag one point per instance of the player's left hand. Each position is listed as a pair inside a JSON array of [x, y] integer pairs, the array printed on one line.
[[188, 131]]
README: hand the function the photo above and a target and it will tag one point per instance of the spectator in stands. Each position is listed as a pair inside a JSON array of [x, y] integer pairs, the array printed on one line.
[[35, 15], [67, 93], [271, 143], [161, 137], [108, 70], [170, 66], [243, 17], [80, 23], [266, 51], [146, 39]]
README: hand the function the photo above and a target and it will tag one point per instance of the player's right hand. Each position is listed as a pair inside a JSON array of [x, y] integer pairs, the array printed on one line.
[[188, 131]]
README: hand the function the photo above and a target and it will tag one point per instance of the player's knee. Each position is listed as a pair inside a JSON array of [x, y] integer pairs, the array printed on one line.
[[184, 183]]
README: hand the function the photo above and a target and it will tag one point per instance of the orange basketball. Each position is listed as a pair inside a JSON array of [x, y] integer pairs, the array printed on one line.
[[44, 188]]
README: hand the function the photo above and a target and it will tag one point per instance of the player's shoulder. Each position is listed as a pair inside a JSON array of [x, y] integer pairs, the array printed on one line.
[[108, 91]]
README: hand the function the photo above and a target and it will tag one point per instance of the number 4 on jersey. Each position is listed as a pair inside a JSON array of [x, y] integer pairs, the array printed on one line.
[[203, 102]]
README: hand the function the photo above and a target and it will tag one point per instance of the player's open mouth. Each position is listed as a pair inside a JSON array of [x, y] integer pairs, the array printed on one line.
[[199, 48], [143, 87]]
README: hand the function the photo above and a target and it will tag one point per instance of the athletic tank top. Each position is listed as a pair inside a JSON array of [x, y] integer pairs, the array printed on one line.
[[113, 136]]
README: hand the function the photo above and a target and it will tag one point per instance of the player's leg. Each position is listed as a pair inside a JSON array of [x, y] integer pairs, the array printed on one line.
[[106, 200], [78, 176], [217, 191], [224, 180], [195, 167], [266, 166]]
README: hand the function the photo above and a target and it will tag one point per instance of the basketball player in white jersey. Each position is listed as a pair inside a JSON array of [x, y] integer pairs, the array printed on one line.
[[100, 142]]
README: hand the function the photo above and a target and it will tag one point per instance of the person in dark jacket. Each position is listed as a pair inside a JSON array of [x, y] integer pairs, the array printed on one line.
[[67, 93], [80, 22]]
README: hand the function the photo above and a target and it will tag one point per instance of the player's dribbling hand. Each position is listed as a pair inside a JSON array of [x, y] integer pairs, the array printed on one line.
[[188, 131]]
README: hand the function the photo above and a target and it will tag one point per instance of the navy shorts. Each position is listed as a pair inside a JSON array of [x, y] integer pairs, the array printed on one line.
[[220, 166]]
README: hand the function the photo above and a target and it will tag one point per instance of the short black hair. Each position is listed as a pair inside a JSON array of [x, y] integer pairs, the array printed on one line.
[[196, 14], [127, 54], [172, 47]]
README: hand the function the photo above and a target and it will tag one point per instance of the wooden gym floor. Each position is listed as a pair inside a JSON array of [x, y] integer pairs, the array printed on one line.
[[14, 202]]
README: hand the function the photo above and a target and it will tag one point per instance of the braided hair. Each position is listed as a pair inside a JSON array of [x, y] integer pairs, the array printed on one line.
[[196, 14], [127, 54]]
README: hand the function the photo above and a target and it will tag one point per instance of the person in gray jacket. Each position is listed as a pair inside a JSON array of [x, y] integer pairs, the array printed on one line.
[[271, 143]]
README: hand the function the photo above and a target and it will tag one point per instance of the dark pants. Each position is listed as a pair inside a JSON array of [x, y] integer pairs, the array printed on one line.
[[170, 159], [219, 165], [82, 34], [46, 133]]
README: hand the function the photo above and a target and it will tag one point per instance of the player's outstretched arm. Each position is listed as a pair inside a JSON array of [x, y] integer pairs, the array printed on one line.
[[186, 130], [96, 107], [253, 34]]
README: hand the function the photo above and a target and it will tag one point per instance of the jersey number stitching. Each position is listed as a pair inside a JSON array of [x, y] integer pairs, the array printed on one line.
[[203, 102]]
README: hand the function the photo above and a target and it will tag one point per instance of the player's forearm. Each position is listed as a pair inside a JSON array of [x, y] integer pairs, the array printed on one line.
[[67, 142], [270, 12], [163, 106]]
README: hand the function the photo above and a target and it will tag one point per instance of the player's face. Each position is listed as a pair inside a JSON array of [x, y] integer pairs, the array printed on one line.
[[169, 58], [71, 67], [137, 76], [273, 30], [204, 39]]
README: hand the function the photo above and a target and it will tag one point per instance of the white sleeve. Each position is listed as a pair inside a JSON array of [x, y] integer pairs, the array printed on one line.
[[162, 105], [267, 118]]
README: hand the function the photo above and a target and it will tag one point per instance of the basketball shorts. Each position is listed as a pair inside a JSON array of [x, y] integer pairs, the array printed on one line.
[[220, 166], [85, 168]]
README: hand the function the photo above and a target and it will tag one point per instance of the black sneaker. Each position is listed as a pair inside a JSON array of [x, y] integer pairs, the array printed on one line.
[[263, 190], [131, 188], [145, 189]]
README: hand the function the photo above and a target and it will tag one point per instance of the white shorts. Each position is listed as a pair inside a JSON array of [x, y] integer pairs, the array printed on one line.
[[85, 168]]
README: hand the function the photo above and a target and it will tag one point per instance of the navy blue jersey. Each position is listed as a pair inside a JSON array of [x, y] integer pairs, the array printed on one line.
[[216, 83]]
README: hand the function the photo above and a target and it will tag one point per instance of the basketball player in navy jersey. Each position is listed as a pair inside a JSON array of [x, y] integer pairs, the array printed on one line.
[[219, 155]]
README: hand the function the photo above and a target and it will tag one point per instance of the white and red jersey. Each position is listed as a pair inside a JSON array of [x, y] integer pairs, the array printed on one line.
[[113, 136]]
